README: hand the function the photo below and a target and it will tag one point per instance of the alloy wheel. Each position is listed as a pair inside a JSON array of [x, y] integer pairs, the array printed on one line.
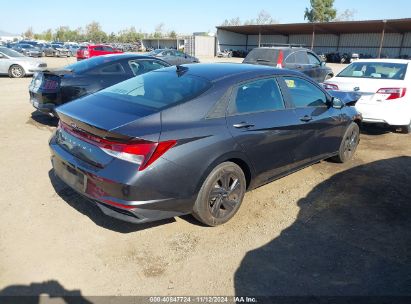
[[225, 196], [17, 71], [350, 144]]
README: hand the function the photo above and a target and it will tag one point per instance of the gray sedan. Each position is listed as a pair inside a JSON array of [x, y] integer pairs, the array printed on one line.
[[17, 65], [173, 57]]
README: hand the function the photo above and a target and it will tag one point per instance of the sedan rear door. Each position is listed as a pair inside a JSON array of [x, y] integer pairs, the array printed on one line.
[[263, 126]]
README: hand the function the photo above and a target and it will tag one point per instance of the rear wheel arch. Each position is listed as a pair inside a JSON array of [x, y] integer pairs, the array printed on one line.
[[238, 158]]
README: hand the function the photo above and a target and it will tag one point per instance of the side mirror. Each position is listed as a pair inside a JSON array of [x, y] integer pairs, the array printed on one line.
[[337, 103], [323, 63], [1, 56]]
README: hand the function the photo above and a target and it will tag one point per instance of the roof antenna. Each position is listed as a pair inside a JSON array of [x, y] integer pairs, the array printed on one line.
[[181, 70]]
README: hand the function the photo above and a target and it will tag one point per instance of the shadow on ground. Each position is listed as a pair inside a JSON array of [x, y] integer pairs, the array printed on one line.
[[35, 293], [89, 209], [378, 129], [352, 237], [40, 119]]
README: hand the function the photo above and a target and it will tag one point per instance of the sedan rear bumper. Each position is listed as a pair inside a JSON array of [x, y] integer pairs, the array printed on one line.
[[109, 194]]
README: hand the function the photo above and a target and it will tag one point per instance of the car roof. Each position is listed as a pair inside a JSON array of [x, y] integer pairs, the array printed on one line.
[[217, 71], [384, 60], [280, 48], [128, 55]]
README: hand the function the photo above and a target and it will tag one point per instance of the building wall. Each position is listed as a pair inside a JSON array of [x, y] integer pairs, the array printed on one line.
[[231, 41], [204, 46], [366, 43]]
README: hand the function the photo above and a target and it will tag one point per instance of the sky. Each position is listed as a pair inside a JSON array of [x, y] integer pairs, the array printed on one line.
[[182, 16]]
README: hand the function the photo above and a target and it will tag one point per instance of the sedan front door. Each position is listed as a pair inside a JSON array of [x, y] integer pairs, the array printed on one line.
[[320, 125], [264, 127]]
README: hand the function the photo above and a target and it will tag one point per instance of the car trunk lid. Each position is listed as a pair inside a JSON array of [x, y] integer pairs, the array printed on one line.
[[88, 124], [370, 89]]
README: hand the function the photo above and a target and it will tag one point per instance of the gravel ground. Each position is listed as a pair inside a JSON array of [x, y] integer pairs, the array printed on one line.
[[329, 229]]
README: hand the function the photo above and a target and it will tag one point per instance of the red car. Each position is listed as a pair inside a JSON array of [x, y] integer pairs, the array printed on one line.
[[85, 52]]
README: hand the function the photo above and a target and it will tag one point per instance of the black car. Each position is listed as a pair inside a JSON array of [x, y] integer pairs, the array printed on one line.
[[56, 50], [293, 58], [52, 88], [194, 138], [27, 50]]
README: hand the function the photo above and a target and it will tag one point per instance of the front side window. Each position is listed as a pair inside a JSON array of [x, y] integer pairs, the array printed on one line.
[[304, 94], [313, 60], [301, 57], [257, 96], [377, 70], [107, 49], [143, 66]]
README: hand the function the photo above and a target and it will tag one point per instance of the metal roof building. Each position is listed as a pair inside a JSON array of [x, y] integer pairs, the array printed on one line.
[[377, 38]]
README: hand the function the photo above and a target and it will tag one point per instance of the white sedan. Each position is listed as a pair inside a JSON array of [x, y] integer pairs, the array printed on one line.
[[383, 85], [17, 65]]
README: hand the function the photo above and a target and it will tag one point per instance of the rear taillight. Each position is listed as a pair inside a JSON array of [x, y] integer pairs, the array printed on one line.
[[280, 59], [330, 86], [392, 93], [141, 152]]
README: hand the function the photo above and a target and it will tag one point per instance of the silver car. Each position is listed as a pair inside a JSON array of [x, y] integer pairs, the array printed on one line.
[[173, 57], [16, 65]]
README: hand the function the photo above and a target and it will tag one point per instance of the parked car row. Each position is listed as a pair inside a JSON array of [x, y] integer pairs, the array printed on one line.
[[16, 65], [145, 140]]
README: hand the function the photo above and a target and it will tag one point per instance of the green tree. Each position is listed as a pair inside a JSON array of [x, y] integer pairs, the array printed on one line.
[[320, 11], [94, 32], [29, 33], [172, 34], [159, 31]]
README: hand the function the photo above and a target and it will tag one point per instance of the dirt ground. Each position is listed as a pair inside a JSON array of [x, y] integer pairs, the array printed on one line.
[[329, 229]]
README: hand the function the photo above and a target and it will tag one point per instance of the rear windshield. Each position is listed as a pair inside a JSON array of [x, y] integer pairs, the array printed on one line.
[[262, 55], [158, 90], [85, 65], [378, 70]]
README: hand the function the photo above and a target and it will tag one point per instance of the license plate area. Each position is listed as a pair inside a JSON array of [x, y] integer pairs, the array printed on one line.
[[72, 177]]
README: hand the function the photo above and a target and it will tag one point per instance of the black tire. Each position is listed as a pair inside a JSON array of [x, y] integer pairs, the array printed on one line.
[[406, 129], [221, 195], [16, 71], [349, 144]]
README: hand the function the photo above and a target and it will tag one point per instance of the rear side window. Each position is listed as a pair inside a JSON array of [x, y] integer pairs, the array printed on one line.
[[304, 94], [257, 96], [98, 48], [157, 90]]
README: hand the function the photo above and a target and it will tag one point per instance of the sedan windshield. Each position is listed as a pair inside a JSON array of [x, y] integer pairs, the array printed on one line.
[[158, 90], [378, 70], [10, 53]]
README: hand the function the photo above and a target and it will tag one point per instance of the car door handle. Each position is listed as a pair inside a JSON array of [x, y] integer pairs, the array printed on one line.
[[306, 118], [243, 125]]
